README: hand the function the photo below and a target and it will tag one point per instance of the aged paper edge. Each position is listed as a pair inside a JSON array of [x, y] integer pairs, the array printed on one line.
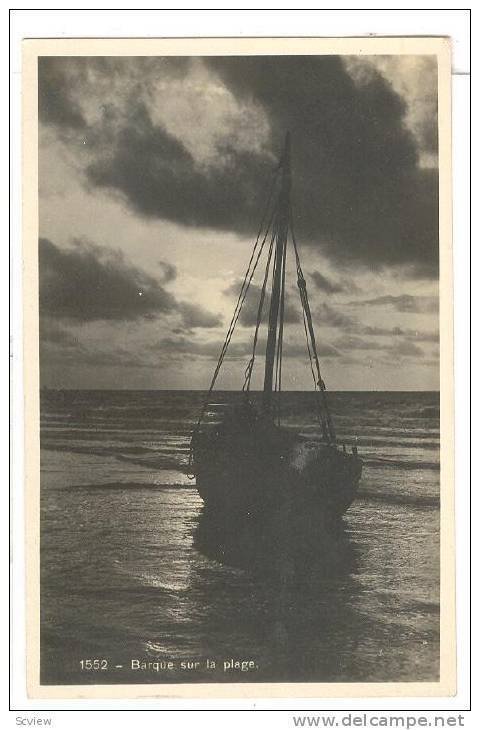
[[32, 49]]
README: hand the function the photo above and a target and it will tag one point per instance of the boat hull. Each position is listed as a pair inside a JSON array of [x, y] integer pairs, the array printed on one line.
[[255, 470]]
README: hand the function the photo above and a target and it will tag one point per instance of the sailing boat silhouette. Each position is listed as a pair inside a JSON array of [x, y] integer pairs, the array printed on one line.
[[246, 464]]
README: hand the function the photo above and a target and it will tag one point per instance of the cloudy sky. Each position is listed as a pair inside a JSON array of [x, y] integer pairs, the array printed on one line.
[[152, 175]]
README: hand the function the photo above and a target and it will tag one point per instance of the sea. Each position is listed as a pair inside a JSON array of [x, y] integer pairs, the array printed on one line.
[[130, 594]]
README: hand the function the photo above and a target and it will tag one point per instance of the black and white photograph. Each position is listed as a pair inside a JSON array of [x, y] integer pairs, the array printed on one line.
[[242, 304]]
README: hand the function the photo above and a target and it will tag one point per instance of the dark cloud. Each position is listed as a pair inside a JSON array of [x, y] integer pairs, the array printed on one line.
[[160, 178], [325, 284], [357, 183], [358, 189], [51, 332], [238, 350], [353, 342], [56, 100], [169, 271], [374, 331], [62, 346], [79, 356], [331, 317], [88, 283], [61, 79], [358, 336], [59, 347], [417, 335], [400, 348], [181, 346], [195, 316], [406, 349], [416, 271], [422, 336], [249, 313], [401, 303], [116, 358], [299, 350], [386, 350]]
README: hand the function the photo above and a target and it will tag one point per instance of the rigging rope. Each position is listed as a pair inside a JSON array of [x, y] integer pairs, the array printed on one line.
[[249, 368], [326, 423], [247, 280], [279, 261], [278, 365]]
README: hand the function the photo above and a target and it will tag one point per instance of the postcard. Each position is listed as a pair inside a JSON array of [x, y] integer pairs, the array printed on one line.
[[239, 379]]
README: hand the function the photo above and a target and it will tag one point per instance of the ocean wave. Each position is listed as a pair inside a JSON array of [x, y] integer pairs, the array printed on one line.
[[400, 464], [132, 485], [415, 500], [412, 500], [176, 459]]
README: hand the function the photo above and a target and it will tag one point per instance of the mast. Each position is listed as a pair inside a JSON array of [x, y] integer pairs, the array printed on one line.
[[281, 234]]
